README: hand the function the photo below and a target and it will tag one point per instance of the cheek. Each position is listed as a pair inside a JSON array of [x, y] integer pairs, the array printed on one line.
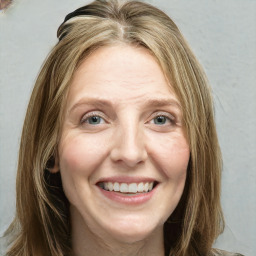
[[80, 155], [172, 154]]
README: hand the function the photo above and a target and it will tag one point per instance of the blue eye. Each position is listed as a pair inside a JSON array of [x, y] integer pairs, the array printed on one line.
[[93, 120], [160, 120]]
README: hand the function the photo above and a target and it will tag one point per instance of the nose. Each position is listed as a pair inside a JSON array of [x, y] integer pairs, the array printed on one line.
[[129, 145]]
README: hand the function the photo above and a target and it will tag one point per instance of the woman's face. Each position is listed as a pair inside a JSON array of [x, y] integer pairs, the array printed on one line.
[[123, 154]]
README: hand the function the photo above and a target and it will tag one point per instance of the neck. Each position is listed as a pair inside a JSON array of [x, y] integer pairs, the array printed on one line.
[[86, 242]]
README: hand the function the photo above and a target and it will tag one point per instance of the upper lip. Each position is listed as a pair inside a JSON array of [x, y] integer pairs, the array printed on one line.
[[126, 179]]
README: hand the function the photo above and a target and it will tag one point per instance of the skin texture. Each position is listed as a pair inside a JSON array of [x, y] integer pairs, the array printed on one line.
[[124, 87]]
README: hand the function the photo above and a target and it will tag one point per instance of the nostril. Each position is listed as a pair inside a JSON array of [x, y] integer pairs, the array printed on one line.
[[130, 157]]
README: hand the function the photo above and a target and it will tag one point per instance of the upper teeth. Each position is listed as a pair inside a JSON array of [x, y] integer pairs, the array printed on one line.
[[127, 188]]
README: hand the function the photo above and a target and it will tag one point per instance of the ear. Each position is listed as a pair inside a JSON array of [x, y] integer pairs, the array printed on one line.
[[54, 165]]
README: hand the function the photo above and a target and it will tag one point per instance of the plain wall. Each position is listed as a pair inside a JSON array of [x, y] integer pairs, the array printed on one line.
[[222, 33]]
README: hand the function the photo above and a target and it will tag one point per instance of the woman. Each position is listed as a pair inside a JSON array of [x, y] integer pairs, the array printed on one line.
[[119, 153]]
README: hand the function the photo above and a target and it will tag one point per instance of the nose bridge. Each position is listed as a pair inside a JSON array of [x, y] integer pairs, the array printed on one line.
[[129, 144]]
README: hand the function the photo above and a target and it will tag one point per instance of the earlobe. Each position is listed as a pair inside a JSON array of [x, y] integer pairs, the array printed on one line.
[[53, 164], [55, 169]]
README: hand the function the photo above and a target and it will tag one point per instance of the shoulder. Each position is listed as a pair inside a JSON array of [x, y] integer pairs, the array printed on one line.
[[217, 252]]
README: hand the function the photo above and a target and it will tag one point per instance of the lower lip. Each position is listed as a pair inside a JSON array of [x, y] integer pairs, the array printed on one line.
[[128, 199]]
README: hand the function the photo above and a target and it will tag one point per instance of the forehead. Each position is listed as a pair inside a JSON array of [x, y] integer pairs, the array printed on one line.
[[120, 73]]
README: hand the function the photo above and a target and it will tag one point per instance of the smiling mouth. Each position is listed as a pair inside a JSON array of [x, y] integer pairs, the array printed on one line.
[[128, 188]]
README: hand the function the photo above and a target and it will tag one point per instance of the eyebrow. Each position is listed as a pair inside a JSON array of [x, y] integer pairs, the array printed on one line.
[[96, 102], [100, 103], [163, 102]]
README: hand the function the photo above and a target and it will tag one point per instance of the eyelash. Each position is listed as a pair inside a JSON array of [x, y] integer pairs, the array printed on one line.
[[91, 114], [168, 116]]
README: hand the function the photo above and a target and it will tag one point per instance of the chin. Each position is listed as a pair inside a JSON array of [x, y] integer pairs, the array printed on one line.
[[133, 231]]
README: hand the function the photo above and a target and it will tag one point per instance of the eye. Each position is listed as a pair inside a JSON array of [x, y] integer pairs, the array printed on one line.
[[160, 120], [93, 119]]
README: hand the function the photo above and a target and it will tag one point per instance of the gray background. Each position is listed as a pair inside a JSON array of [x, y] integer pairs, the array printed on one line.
[[222, 34]]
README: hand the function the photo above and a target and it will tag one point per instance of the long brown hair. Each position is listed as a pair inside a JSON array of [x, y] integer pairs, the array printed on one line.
[[41, 226]]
